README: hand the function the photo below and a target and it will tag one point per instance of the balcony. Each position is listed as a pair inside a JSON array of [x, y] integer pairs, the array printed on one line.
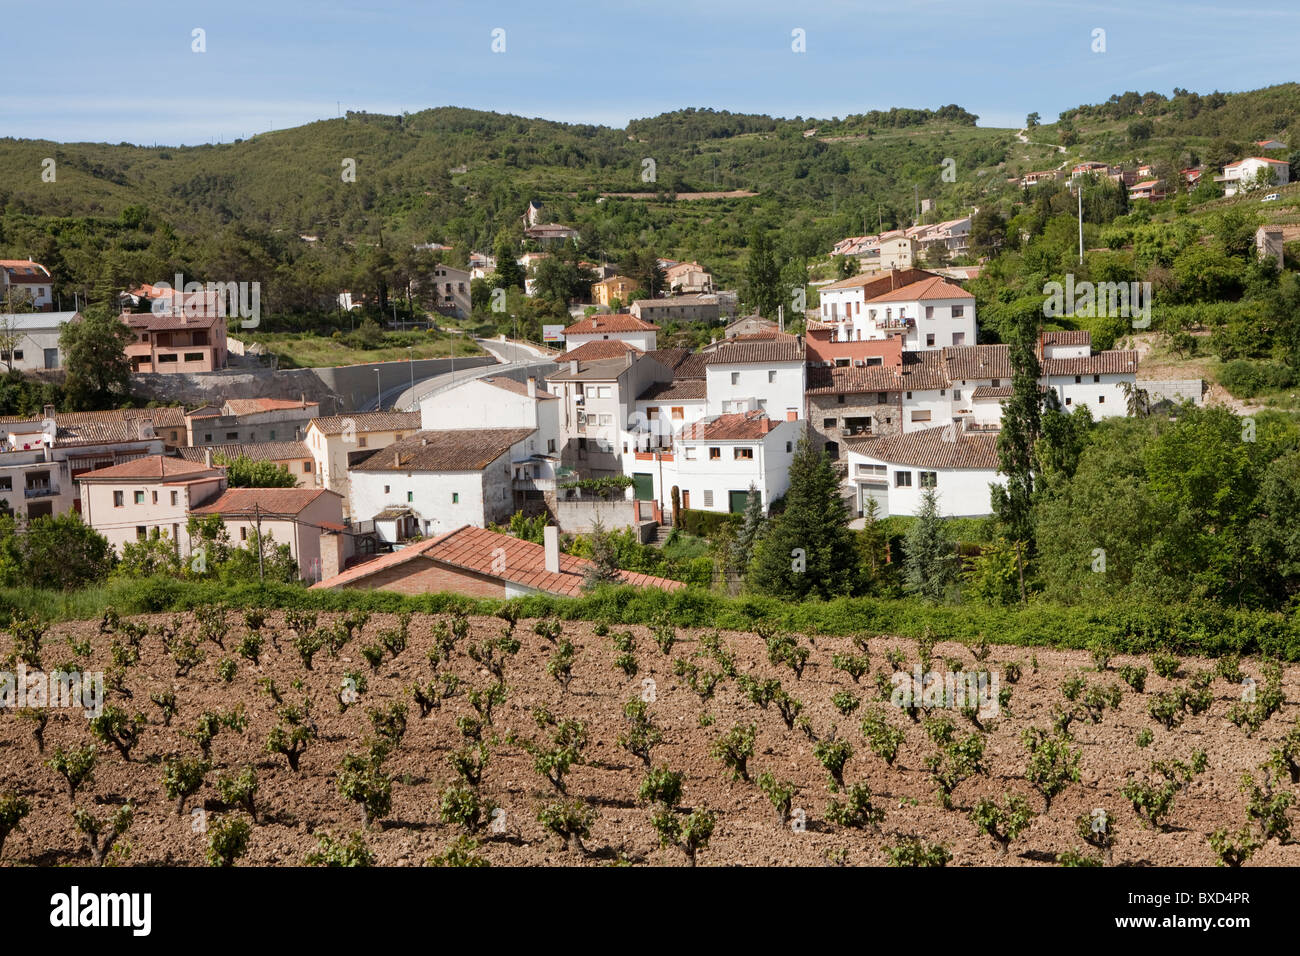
[[533, 484], [40, 491]]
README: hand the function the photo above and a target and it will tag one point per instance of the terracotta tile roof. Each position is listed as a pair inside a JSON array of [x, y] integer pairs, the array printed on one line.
[[517, 388], [924, 371], [691, 367], [166, 416], [168, 322], [597, 349], [251, 406], [669, 358], [988, 391], [877, 283], [935, 288], [367, 422], [25, 271], [738, 426], [1114, 362], [850, 380], [480, 551], [268, 501], [470, 449], [599, 370], [1068, 337], [682, 390], [615, 322], [978, 361], [255, 451], [928, 449], [732, 352], [152, 466]]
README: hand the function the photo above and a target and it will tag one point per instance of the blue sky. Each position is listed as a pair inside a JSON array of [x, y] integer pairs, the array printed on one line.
[[125, 71]]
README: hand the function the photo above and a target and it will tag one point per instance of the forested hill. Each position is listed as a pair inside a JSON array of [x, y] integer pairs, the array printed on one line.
[[115, 214]]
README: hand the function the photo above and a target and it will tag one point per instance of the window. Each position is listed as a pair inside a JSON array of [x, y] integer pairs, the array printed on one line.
[[387, 489], [902, 479], [943, 392], [306, 467], [1078, 379], [828, 422], [207, 437], [679, 412], [410, 497], [997, 383], [194, 356], [929, 338], [1101, 399], [174, 499], [771, 377], [882, 398], [550, 444], [397, 437], [1069, 401], [874, 472], [958, 311], [920, 415], [839, 399], [742, 454], [117, 499], [690, 452], [455, 497], [959, 338], [909, 395], [604, 391], [232, 436], [929, 479], [1096, 379], [841, 363], [708, 499], [243, 532], [789, 447], [166, 358], [155, 497], [956, 394], [139, 497], [929, 312], [715, 454], [874, 360], [735, 378], [605, 419], [361, 441], [141, 532]]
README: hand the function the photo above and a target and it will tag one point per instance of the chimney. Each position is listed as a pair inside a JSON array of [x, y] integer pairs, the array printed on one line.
[[207, 457], [551, 542], [48, 411], [397, 458], [302, 397], [424, 443], [627, 359], [573, 366], [532, 387]]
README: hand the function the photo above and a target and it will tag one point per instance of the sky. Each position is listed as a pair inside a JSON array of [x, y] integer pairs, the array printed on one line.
[[129, 70]]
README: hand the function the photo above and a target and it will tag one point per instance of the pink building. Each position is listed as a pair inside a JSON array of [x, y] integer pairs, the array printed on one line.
[[128, 501], [293, 516]]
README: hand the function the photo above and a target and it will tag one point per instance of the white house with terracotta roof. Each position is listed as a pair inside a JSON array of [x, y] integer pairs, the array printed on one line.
[[1243, 175], [432, 481], [25, 279], [292, 516], [714, 462], [622, 326], [250, 420], [757, 374], [481, 563], [896, 470], [126, 502], [293, 457], [337, 441]]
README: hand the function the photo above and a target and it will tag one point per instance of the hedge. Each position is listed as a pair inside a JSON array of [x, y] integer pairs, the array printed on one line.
[[706, 523], [1122, 628]]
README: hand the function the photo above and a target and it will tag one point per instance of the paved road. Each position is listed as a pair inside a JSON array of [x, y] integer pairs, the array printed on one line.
[[506, 353]]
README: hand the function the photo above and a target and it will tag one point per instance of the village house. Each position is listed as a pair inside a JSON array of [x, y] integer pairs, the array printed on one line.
[[550, 233], [688, 278], [929, 313], [620, 326], [1040, 176], [749, 325], [615, 288], [1152, 189], [451, 291], [1244, 174], [25, 280], [292, 516], [432, 481], [751, 374], [896, 470], [249, 420], [29, 341], [709, 307], [338, 441], [293, 457], [852, 402], [42, 458], [128, 501], [480, 563]]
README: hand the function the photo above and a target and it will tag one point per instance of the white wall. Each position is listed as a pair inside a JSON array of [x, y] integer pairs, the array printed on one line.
[[755, 381], [938, 402], [768, 471], [1105, 399], [477, 404], [961, 492]]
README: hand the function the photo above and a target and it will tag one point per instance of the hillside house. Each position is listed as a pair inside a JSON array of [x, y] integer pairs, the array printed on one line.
[[337, 442]]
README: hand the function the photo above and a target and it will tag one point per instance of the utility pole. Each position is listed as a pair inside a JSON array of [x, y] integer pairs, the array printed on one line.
[[379, 392], [1081, 222], [257, 516]]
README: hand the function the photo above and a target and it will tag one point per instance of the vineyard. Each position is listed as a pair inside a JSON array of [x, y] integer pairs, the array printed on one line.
[[266, 738]]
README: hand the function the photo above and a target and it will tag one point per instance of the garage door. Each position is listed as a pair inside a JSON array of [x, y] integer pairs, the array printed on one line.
[[643, 486], [880, 493], [738, 501]]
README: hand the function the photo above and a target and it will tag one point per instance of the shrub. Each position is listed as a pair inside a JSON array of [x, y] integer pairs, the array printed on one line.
[[331, 852], [1233, 851], [1003, 824], [250, 648], [1097, 829], [292, 740], [240, 791], [469, 761], [956, 760], [689, 833], [226, 669], [115, 728], [914, 851], [883, 738], [1267, 808], [389, 722], [784, 649], [182, 779], [432, 694], [661, 786], [855, 665], [1166, 665], [463, 807], [13, 809], [228, 840], [560, 664], [845, 703], [641, 735], [307, 643], [460, 853], [1134, 676], [833, 755], [857, 810], [780, 793], [101, 836], [553, 759], [1285, 758], [76, 767], [1053, 765], [734, 748], [166, 702], [1073, 858], [570, 821], [362, 781]]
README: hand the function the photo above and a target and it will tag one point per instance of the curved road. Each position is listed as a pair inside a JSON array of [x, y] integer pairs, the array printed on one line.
[[506, 353]]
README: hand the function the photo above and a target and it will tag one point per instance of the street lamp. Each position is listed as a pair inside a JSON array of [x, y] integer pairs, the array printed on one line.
[[410, 359], [379, 393]]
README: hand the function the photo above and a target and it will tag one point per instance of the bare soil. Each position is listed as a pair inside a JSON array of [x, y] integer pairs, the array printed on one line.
[[295, 806]]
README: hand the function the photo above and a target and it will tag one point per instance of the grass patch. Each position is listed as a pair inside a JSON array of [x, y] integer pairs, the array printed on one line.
[[310, 350]]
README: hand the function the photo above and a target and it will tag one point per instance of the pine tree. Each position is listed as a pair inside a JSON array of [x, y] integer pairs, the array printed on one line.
[[762, 276], [604, 559], [930, 562], [1021, 428], [509, 273], [751, 526], [808, 549]]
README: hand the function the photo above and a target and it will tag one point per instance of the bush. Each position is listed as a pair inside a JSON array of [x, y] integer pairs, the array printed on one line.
[[570, 821], [705, 524], [331, 852], [734, 748], [182, 778], [1246, 379], [913, 851], [857, 810], [228, 840]]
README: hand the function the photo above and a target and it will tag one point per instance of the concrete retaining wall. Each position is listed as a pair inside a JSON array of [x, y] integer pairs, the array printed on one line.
[[1174, 390]]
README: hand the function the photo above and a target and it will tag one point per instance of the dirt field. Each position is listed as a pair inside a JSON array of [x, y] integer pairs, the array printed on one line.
[[294, 806]]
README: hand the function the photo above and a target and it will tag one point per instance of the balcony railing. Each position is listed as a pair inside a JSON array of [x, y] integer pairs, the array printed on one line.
[[533, 484], [40, 491]]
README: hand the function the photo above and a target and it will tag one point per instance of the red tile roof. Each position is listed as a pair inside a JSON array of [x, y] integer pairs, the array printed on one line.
[[363, 422], [597, 349], [254, 451], [251, 406], [936, 288], [942, 447], [1068, 337], [1114, 362], [682, 390], [152, 466], [977, 361], [842, 380], [470, 449], [615, 322], [761, 351], [738, 426], [266, 501], [517, 388], [482, 552]]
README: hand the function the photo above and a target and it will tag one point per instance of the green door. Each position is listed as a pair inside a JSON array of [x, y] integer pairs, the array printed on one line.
[[643, 486], [738, 501]]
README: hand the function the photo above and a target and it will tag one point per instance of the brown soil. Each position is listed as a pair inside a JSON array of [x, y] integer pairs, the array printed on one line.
[[296, 805]]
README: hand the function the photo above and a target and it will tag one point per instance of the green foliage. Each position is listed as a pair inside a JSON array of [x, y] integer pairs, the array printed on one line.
[[342, 853], [956, 760], [362, 780], [245, 472], [13, 809], [76, 767], [239, 790], [1002, 823], [661, 786], [780, 793], [228, 840], [1053, 765], [462, 806], [913, 851], [857, 810], [833, 755], [462, 852], [1233, 851], [1268, 808], [569, 820], [99, 835], [640, 735], [182, 778], [734, 748], [883, 738]]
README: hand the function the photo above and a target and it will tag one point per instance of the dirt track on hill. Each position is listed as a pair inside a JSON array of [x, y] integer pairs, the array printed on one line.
[[297, 805]]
